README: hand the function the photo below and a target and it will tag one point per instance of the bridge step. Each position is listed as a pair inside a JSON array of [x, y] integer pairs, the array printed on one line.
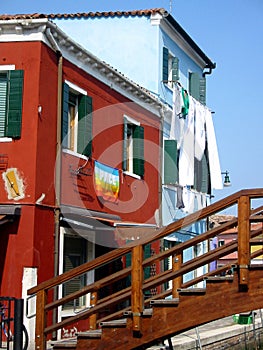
[[255, 267], [114, 323], [91, 334], [218, 279], [146, 313], [256, 241], [165, 302], [191, 291], [69, 344]]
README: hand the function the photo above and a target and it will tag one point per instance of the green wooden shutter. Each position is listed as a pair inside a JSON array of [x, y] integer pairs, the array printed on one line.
[[125, 142], [138, 150], [202, 97], [201, 177], [147, 254], [128, 258], [85, 125], [14, 111], [74, 255], [166, 246], [170, 162], [197, 87], [194, 85], [165, 64], [3, 97], [175, 69], [64, 131], [205, 174]]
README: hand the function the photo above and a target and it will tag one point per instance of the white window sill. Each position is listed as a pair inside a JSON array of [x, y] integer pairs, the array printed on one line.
[[71, 312], [132, 175], [75, 154], [169, 87], [6, 139]]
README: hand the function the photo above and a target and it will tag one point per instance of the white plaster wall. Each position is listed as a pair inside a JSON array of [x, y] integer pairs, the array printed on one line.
[[29, 280]]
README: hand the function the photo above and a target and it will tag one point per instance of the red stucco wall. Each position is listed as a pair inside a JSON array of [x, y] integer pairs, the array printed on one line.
[[30, 241], [138, 198]]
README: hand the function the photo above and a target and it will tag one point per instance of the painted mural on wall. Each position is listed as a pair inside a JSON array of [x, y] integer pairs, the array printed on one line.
[[14, 184]]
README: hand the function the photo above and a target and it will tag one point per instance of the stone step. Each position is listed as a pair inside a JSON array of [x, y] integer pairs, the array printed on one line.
[[114, 323], [69, 344], [146, 313], [90, 334], [191, 291], [165, 302], [218, 279]]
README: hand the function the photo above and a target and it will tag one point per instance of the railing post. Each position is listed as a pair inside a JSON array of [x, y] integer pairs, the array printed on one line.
[[93, 318], [137, 293], [41, 320], [243, 239], [177, 282]]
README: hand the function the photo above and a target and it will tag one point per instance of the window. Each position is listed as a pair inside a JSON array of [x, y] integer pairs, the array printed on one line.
[[133, 147], [197, 87], [170, 68], [168, 262], [147, 253], [11, 89], [75, 254], [170, 162], [221, 242], [77, 120]]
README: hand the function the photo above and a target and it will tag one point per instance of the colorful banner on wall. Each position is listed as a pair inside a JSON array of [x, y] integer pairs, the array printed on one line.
[[107, 182]]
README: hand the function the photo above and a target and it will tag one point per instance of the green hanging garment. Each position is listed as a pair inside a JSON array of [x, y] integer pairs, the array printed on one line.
[[185, 107]]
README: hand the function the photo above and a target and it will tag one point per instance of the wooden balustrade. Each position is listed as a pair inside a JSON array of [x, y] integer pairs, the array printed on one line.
[[243, 239], [134, 295], [137, 283], [177, 282]]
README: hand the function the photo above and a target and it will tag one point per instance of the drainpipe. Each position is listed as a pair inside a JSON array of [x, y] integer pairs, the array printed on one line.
[[161, 167], [58, 161], [58, 148], [161, 111]]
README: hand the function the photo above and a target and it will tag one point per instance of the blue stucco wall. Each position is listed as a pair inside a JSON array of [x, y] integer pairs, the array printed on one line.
[[133, 46], [129, 44], [186, 65]]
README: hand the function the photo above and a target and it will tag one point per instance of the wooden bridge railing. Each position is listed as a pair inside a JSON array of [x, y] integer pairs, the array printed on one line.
[[133, 298]]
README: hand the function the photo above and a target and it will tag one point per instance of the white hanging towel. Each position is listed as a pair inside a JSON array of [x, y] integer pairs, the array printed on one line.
[[188, 198], [199, 130], [214, 164], [186, 156], [177, 123]]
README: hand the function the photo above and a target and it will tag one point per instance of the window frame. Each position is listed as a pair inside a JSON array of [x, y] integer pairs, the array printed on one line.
[[131, 148], [73, 122], [81, 142], [170, 69], [89, 276]]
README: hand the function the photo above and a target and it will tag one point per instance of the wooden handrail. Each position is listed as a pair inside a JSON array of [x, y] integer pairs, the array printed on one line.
[[150, 237]]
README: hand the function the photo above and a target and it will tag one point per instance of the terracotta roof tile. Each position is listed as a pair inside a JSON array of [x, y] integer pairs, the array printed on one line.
[[23, 16], [84, 14]]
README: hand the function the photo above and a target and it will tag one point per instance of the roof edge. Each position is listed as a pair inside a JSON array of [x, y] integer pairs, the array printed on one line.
[[190, 41]]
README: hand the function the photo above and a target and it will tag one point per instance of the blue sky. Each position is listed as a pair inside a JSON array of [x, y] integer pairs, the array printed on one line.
[[230, 32]]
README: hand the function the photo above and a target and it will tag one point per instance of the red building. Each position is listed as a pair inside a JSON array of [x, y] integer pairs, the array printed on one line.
[[79, 156]]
